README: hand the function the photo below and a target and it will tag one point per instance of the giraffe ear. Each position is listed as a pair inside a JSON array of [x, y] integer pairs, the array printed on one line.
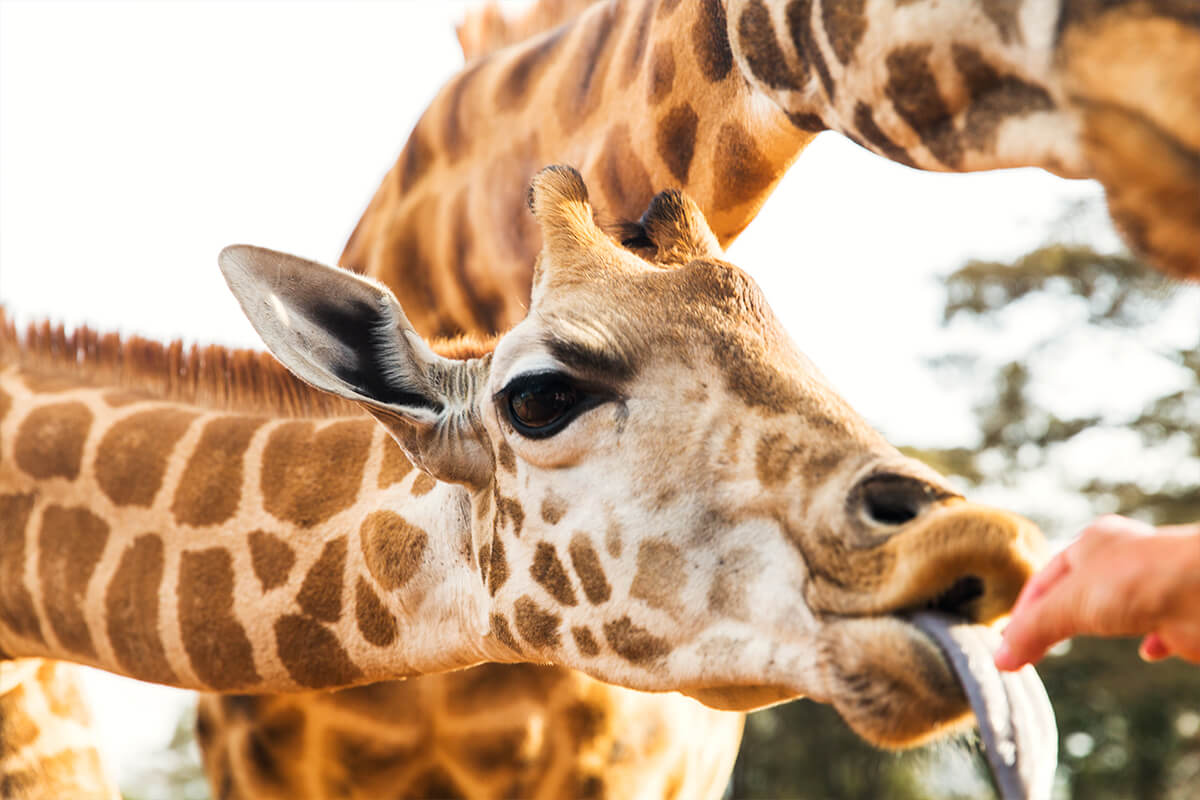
[[346, 335]]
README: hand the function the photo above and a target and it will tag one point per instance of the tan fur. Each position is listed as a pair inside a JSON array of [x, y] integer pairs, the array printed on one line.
[[486, 29]]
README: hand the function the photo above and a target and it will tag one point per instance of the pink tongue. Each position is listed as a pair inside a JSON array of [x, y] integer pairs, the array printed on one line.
[[1016, 721]]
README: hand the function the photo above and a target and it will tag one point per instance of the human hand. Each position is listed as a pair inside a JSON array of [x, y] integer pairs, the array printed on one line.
[[1120, 577]]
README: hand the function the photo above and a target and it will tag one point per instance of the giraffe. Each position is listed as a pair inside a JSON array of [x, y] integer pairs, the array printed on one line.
[[207, 521], [719, 98]]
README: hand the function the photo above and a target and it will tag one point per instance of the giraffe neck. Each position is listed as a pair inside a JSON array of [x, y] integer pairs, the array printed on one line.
[[46, 746], [203, 547], [639, 95]]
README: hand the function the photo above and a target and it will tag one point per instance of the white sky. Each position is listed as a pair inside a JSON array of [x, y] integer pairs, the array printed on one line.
[[138, 138]]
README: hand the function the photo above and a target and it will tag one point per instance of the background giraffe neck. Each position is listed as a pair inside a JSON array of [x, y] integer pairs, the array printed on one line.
[[640, 96], [194, 545]]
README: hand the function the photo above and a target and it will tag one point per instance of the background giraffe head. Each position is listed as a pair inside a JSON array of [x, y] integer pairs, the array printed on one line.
[[734, 529]]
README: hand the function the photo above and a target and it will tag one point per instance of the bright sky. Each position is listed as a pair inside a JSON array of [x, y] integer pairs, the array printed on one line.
[[137, 139]]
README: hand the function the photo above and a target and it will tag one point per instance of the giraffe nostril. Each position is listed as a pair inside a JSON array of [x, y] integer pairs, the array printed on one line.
[[892, 499]]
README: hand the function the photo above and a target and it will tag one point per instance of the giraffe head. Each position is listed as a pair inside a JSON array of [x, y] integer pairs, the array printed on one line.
[[664, 492]]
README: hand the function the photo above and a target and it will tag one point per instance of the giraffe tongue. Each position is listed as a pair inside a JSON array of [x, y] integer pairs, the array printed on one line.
[[1020, 737]]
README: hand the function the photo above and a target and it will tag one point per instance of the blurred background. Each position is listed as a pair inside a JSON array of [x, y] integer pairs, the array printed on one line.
[[991, 323]]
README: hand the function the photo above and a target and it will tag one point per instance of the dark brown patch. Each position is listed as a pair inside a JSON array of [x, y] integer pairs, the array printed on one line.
[[845, 25], [485, 560], [586, 561], [271, 557], [49, 443], [312, 655], [553, 507], [310, 475], [435, 782], [549, 573], [623, 178], [132, 457], [1006, 16], [457, 136], [762, 51], [582, 83], [375, 622], [509, 510], [393, 548], [215, 641], [503, 634], [416, 159], [806, 121], [742, 172], [263, 762], [131, 611], [497, 566], [351, 762], [634, 643], [636, 50], [993, 97], [612, 539], [321, 592], [913, 90], [585, 641], [15, 599], [872, 134], [395, 466], [493, 751], [711, 41], [675, 139], [522, 72], [661, 574], [662, 73], [536, 625], [423, 484], [70, 545], [506, 458], [211, 485], [799, 22]]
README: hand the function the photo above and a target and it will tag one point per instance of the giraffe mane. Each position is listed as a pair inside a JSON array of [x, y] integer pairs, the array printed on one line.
[[487, 29], [212, 376]]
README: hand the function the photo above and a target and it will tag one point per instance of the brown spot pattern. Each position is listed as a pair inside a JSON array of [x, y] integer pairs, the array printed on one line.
[[131, 611], [742, 172], [456, 137], [1006, 16], [321, 592], [393, 548], [553, 507], [49, 443], [503, 634], [271, 557], [395, 466], [523, 71], [506, 458], [799, 22], [636, 49], [623, 178], [215, 641], [536, 625], [661, 574], [132, 457], [70, 545], [309, 475], [873, 135], [612, 539], [586, 561], [761, 49], [375, 622], [913, 89], [633, 643], [509, 510], [994, 97], [675, 140], [585, 641], [845, 25], [662, 73], [211, 485], [548, 571], [711, 42], [416, 159], [583, 80], [423, 484], [312, 655], [497, 566], [15, 599]]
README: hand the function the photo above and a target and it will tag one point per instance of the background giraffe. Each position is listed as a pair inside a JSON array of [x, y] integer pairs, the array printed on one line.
[[9, 263]]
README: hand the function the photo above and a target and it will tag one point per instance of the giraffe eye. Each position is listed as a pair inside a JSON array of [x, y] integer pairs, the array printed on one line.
[[541, 405]]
